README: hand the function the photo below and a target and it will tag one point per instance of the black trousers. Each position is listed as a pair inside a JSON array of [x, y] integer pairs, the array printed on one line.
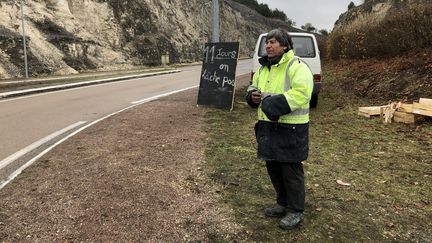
[[288, 181]]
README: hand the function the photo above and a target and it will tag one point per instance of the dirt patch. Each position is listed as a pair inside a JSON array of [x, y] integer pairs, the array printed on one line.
[[406, 77], [136, 176]]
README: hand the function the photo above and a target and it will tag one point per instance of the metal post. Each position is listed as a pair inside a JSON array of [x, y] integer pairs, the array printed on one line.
[[203, 22], [215, 15], [24, 40]]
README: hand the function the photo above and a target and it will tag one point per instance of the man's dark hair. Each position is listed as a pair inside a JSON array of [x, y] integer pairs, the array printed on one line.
[[282, 37]]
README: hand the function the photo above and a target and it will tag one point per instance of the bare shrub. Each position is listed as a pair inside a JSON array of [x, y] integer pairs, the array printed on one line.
[[322, 46], [400, 30]]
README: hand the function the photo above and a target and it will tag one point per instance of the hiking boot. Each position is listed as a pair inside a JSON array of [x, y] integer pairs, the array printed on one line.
[[278, 211], [291, 220]]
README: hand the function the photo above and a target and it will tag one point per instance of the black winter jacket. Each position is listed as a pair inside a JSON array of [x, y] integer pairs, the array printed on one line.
[[282, 142]]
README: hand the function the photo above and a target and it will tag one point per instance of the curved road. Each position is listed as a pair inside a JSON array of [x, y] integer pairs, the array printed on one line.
[[25, 121]]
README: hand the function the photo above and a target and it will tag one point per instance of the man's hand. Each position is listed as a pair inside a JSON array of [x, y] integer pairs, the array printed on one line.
[[256, 97]]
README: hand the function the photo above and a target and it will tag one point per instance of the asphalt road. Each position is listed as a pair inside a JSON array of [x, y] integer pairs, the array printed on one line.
[[30, 121]]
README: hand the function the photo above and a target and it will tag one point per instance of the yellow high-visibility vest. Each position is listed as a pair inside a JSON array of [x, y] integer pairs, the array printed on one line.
[[290, 77]]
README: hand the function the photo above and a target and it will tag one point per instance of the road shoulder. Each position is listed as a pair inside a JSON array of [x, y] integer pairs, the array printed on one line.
[[137, 175]]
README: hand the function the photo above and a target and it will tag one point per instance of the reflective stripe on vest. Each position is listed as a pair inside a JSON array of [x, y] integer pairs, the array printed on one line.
[[293, 113], [287, 79]]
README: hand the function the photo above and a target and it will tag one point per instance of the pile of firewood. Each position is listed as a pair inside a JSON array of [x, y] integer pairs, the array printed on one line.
[[399, 112]]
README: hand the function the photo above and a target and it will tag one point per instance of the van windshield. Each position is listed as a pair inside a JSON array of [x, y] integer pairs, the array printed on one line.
[[303, 46]]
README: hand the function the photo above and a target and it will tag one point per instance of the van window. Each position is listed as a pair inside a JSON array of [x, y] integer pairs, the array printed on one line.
[[303, 46]]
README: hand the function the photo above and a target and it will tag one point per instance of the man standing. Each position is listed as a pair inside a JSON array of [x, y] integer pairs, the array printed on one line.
[[281, 89]]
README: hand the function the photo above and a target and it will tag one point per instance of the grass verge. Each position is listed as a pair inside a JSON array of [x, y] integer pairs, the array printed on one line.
[[388, 168]]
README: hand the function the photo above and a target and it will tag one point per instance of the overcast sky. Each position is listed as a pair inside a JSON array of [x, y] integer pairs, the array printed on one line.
[[320, 13]]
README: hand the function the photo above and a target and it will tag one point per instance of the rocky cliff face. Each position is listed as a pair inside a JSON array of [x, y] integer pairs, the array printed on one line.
[[69, 36]]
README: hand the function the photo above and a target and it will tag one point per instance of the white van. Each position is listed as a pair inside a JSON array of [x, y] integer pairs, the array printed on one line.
[[305, 47]]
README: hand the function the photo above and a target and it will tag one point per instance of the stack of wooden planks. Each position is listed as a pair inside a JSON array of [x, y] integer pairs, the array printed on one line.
[[423, 107], [369, 111], [399, 112]]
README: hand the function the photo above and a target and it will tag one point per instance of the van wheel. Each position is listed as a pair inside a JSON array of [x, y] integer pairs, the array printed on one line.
[[314, 101]]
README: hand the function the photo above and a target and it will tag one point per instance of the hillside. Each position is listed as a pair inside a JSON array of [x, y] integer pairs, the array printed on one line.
[[66, 37], [382, 50]]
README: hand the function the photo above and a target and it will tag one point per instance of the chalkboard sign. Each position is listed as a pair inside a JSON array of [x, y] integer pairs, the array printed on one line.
[[218, 74]]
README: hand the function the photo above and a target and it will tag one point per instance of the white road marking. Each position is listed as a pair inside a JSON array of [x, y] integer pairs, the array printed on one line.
[[136, 103], [162, 95], [36, 144]]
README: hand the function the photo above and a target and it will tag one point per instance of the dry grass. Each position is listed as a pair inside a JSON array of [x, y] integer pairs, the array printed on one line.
[[388, 167], [381, 35]]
